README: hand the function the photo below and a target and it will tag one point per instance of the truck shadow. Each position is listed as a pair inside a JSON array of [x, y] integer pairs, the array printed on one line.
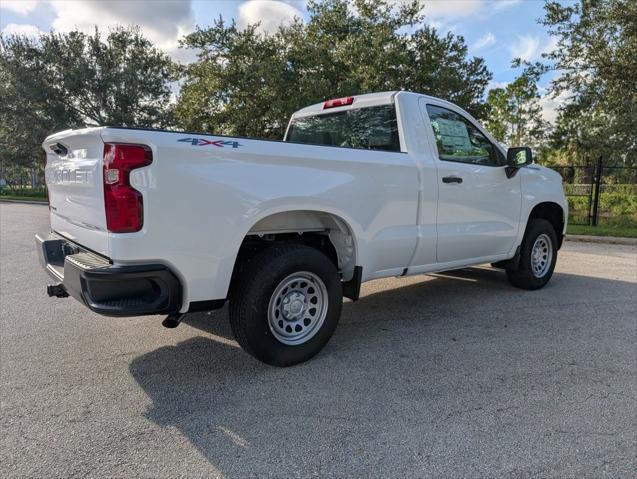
[[402, 362], [412, 293]]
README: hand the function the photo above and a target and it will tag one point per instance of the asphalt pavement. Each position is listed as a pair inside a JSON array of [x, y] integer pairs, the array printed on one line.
[[447, 375]]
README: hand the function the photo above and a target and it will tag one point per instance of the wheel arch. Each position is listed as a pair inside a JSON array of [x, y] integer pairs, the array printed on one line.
[[554, 214], [324, 230]]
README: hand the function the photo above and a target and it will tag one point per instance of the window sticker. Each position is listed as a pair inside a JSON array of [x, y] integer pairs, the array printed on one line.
[[453, 135]]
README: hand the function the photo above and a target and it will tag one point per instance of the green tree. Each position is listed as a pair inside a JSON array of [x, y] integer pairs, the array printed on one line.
[[515, 115], [69, 80], [248, 83], [595, 60]]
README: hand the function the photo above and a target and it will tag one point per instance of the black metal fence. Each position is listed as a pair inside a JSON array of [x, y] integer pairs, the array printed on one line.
[[600, 195]]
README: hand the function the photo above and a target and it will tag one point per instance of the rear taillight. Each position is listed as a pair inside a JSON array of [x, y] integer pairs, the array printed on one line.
[[124, 205], [347, 100]]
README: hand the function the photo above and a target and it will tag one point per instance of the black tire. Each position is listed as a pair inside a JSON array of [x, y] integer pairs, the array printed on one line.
[[523, 276], [250, 300]]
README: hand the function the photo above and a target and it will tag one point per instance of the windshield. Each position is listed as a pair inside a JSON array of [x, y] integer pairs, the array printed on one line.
[[372, 128]]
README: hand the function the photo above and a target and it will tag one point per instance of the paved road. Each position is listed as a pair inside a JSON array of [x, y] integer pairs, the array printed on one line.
[[452, 375]]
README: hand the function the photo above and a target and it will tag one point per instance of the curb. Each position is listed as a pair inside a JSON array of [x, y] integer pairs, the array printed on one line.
[[27, 202], [602, 239]]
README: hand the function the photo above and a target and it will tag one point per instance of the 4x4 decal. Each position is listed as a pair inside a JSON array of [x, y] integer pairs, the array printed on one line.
[[219, 143]]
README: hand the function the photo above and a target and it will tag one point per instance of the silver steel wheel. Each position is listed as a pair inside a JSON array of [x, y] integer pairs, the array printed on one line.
[[541, 255], [298, 308]]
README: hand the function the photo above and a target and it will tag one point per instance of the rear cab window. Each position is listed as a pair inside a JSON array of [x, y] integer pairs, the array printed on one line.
[[370, 128]]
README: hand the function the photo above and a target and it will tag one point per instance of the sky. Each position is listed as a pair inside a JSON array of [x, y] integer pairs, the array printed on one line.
[[496, 30]]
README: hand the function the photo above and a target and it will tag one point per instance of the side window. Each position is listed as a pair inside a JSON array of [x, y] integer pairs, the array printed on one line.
[[459, 140]]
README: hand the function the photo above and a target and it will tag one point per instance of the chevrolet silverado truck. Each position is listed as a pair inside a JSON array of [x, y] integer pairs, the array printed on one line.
[[147, 222]]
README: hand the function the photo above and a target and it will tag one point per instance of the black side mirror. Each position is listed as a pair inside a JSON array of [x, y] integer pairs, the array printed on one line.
[[518, 157]]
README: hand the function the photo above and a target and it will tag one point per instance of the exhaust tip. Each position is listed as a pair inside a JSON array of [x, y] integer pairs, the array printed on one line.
[[57, 290], [172, 321]]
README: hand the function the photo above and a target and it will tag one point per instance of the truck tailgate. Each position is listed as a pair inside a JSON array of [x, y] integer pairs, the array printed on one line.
[[74, 180]]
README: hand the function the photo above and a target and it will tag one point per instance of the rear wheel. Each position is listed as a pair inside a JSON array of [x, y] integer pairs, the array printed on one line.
[[286, 304], [538, 254]]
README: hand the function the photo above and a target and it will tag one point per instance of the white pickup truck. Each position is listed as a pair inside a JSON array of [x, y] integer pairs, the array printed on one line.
[[364, 187]]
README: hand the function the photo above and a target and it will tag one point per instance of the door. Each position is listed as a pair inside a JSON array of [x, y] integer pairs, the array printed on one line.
[[478, 206]]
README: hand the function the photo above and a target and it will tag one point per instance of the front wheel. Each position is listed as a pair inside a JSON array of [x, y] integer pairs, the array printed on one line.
[[538, 254], [286, 304]]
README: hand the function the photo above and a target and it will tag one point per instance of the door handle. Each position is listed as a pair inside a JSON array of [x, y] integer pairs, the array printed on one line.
[[451, 179]]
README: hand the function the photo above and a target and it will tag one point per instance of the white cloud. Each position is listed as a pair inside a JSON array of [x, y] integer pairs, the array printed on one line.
[[529, 48], [444, 14], [22, 29], [526, 47], [271, 13], [502, 4], [440, 12], [484, 41], [550, 105], [164, 23], [551, 45], [19, 6], [445, 9]]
